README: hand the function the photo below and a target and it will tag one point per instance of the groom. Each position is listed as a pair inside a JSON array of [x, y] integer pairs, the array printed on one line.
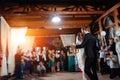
[[89, 43]]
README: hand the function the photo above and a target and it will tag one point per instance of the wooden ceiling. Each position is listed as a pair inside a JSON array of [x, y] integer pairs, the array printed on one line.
[[37, 14]]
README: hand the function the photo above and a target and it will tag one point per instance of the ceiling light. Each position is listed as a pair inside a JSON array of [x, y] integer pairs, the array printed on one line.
[[56, 19], [60, 28]]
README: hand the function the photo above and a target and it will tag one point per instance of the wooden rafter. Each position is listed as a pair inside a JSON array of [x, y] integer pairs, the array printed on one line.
[[109, 11], [58, 12]]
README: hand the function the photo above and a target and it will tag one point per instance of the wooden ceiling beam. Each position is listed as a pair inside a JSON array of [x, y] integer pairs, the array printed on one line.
[[50, 32], [37, 16], [56, 12], [52, 26], [47, 18], [47, 24]]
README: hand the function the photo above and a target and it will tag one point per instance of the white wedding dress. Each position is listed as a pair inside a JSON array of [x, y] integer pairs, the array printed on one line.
[[81, 59]]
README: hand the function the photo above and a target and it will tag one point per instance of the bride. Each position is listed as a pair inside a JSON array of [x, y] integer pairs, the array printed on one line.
[[81, 55]]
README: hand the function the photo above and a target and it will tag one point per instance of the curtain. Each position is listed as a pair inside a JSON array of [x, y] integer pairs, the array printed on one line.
[[67, 40], [4, 34], [16, 37]]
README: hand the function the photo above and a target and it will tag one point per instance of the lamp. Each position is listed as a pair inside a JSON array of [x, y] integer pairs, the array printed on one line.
[[56, 19]]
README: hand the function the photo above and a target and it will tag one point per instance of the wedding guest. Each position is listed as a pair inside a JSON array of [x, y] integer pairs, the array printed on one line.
[[114, 66], [57, 56], [19, 67], [62, 60], [41, 69], [28, 65], [71, 60], [51, 62], [102, 58]]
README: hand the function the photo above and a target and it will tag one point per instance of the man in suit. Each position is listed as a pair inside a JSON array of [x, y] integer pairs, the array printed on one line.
[[89, 43]]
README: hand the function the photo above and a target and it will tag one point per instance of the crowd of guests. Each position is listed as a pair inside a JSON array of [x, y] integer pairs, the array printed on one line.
[[43, 61], [110, 58]]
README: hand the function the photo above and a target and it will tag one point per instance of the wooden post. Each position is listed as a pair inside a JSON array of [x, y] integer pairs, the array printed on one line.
[[100, 25], [100, 29], [102, 37], [115, 14]]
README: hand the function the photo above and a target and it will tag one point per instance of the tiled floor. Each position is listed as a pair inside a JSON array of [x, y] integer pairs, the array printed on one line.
[[64, 76]]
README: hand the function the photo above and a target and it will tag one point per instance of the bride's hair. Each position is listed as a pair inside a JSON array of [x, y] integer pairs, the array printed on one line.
[[85, 28]]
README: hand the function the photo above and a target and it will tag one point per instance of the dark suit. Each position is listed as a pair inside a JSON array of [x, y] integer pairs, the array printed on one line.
[[89, 43]]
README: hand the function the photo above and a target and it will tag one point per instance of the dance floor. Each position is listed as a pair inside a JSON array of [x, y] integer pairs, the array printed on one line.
[[63, 76]]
